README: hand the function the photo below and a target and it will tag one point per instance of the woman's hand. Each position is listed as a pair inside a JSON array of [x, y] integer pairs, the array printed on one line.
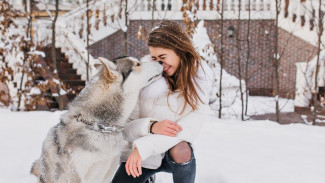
[[133, 164], [166, 127]]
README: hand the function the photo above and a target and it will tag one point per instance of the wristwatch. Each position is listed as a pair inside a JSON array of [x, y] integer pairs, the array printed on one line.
[[151, 124]]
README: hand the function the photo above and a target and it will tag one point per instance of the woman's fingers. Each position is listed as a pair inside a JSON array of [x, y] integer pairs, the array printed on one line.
[[169, 133], [133, 164], [175, 125], [127, 164], [174, 128], [139, 167], [171, 130], [135, 170], [131, 167], [178, 126], [166, 127]]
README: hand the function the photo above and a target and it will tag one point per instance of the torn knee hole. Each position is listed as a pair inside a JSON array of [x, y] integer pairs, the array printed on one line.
[[181, 153]]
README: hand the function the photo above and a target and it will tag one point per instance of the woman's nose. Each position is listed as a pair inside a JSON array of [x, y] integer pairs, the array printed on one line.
[[160, 62]]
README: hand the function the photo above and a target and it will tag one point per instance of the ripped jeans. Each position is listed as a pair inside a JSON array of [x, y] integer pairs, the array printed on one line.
[[182, 172]]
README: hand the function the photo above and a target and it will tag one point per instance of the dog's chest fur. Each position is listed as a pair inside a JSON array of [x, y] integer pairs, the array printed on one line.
[[90, 151]]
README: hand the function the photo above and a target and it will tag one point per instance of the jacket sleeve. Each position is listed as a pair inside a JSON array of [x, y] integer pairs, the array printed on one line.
[[136, 127], [192, 123]]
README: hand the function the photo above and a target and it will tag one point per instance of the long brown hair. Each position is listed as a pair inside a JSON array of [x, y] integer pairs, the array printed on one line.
[[170, 35]]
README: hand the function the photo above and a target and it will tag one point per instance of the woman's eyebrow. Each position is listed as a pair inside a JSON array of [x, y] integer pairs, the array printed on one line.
[[161, 55]]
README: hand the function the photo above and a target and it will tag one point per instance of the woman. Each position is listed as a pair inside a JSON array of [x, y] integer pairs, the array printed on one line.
[[167, 117]]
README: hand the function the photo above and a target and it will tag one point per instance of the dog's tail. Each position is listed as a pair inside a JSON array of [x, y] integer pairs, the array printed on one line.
[[36, 168]]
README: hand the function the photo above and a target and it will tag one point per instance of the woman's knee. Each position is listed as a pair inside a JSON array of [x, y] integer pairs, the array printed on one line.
[[181, 152]]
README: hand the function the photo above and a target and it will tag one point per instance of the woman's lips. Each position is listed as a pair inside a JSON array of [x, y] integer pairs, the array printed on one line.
[[167, 69]]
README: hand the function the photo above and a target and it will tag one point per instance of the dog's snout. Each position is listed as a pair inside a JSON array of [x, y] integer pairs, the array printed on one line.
[[160, 62]]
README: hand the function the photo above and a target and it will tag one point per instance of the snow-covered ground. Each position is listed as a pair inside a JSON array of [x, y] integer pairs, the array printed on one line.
[[227, 151], [257, 106]]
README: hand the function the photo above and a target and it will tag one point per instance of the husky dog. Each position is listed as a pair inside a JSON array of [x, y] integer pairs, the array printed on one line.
[[86, 145]]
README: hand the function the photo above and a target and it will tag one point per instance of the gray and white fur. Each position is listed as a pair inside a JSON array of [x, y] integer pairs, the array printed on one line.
[[77, 149]]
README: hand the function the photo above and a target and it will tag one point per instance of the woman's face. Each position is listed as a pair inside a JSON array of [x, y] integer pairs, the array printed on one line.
[[168, 57]]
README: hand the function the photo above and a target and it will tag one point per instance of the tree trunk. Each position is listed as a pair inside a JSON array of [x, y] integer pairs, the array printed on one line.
[[27, 45], [126, 25], [248, 55], [221, 59], [238, 61], [276, 62], [88, 32], [53, 37], [30, 21], [320, 33], [153, 13]]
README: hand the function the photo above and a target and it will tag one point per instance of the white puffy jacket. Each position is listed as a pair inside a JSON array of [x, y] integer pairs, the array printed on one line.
[[153, 105]]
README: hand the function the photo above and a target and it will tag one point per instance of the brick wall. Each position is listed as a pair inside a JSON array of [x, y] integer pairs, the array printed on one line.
[[260, 69], [294, 50], [260, 73]]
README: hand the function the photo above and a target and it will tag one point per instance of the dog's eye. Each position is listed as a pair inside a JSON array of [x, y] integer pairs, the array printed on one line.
[[138, 64]]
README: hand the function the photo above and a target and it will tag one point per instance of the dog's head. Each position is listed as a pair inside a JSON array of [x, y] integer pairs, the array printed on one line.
[[129, 72]]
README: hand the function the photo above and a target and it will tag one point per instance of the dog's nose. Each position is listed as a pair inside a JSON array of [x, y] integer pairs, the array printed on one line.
[[160, 62]]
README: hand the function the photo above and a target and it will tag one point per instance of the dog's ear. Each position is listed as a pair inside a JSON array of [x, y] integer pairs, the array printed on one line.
[[108, 66], [111, 65]]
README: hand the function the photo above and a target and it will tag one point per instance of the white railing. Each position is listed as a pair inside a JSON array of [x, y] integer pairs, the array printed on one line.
[[71, 32], [206, 9], [70, 45], [303, 11], [306, 18], [103, 20]]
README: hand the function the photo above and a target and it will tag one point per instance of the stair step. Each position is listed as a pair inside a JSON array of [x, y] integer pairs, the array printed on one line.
[[74, 82], [64, 65], [77, 89], [69, 76], [64, 60], [68, 71], [54, 104]]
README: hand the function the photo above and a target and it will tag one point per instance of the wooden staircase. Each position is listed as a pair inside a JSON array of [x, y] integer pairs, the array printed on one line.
[[67, 74]]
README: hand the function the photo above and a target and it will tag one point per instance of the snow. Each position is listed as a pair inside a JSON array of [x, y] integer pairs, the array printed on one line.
[[305, 79], [227, 151], [38, 53], [257, 106], [258, 152], [62, 92], [35, 91], [156, 27], [21, 138], [124, 28]]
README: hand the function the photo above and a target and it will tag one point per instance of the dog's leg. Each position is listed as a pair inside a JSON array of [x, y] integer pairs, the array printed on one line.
[[113, 167]]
